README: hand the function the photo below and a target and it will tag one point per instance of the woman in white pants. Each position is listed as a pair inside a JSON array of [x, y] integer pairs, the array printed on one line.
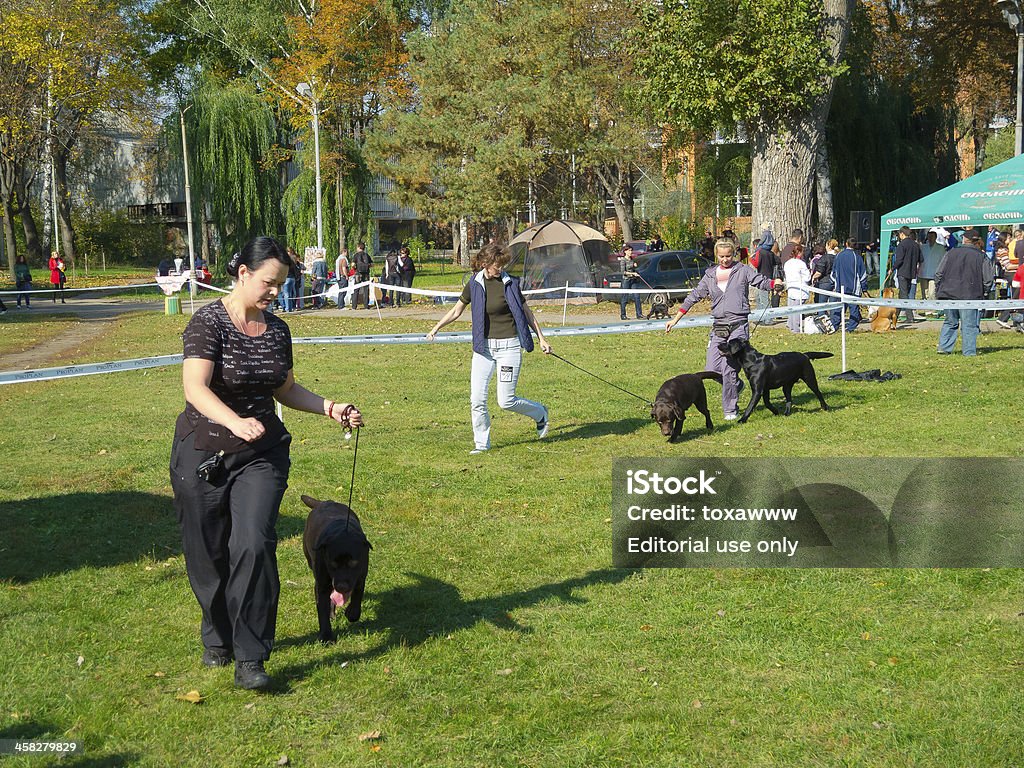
[[501, 331], [798, 280]]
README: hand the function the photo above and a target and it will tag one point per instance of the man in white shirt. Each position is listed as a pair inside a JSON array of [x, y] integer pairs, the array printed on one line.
[[341, 275]]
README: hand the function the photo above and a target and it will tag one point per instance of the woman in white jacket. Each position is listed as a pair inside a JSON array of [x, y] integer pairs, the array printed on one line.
[[798, 281]]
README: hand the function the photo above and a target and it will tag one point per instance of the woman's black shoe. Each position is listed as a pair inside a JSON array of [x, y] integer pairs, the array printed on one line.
[[216, 658], [251, 675]]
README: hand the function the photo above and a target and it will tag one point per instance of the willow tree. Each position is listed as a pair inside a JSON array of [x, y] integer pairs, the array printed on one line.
[[232, 134], [769, 65]]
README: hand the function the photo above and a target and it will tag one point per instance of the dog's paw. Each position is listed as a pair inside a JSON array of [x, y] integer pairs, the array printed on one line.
[[326, 639]]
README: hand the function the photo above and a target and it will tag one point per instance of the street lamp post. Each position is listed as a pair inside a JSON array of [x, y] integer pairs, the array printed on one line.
[[1011, 10], [306, 90]]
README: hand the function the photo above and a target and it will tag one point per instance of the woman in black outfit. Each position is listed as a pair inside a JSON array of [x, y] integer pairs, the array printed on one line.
[[229, 462]]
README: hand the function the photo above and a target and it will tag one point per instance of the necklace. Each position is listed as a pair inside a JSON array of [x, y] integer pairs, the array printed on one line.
[[241, 323]]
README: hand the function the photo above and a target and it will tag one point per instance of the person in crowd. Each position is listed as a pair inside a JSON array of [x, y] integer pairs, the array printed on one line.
[[406, 271], [341, 267], [318, 273], [963, 274], [907, 263], [798, 280], [766, 261], [630, 280], [849, 276], [932, 253], [1005, 272], [230, 459], [502, 322], [727, 285], [58, 278], [871, 258], [390, 276], [298, 272], [163, 268], [362, 262], [707, 245], [286, 297], [821, 272], [795, 239], [656, 244], [23, 280]]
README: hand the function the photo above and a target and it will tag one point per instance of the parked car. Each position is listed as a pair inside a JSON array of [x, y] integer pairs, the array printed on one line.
[[639, 248], [664, 270]]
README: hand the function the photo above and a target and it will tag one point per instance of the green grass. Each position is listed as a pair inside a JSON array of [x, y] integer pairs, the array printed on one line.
[[495, 631]]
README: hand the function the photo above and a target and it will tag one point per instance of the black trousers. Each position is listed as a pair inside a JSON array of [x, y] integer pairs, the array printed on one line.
[[905, 294], [361, 294], [229, 537]]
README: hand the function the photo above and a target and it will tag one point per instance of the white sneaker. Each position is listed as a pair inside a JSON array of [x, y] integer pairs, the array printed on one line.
[[542, 426], [476, 451], [1004, 324], [731, 416]]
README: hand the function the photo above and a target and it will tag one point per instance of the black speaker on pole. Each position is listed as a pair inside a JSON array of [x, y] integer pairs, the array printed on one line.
[[863, 226]]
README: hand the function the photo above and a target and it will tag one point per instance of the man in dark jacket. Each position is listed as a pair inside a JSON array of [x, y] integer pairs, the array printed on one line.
[[907, 263], [361, 261], [962, 274], [767, 262], [849, 276]]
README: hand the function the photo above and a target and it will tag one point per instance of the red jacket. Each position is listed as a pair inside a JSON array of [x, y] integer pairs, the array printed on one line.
[[56, 271]]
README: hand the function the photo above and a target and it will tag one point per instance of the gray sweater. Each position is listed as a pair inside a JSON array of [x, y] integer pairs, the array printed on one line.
[[733, 304]]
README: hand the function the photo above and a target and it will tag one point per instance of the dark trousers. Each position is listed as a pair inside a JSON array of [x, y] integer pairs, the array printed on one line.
[[361, 294], [229, 537], [624, 299], [905, 293], [406, 281]]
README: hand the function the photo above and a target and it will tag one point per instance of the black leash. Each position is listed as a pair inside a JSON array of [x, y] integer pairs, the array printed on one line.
[[643, 400]]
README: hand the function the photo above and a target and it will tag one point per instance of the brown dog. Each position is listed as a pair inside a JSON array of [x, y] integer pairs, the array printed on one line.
[[884, 318], [676, 395]]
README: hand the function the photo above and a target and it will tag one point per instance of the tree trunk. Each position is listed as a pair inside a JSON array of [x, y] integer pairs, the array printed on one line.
[[786, 155], [28, 224], [823, 184], [614, 180], [22, 193], [9, 242], [464, 242], [340, 200], [67, 230], [204, 228]]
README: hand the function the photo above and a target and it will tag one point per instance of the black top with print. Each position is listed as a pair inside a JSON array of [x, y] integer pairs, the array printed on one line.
[[247, 369]]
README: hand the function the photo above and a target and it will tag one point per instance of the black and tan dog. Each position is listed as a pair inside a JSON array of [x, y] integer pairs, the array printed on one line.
[[676, 395], [338, 553], [768, 372], [659, 307]]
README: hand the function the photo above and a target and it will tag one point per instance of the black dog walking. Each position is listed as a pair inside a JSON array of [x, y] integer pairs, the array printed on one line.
[[768, 372]]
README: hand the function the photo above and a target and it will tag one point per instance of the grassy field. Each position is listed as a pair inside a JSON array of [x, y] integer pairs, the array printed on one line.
[[495, 631]]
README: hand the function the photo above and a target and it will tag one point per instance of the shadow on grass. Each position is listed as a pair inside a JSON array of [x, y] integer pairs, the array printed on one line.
[[51, 535], [412, 614], [597, 429]]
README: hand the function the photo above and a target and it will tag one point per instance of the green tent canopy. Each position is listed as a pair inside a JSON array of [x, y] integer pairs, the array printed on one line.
[[995, 196]]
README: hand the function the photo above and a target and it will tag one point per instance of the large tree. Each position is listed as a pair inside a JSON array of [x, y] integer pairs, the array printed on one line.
[[72, 64], [768, 65]]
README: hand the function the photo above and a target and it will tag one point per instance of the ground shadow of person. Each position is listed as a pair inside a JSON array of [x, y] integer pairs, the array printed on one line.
[[413, 613]]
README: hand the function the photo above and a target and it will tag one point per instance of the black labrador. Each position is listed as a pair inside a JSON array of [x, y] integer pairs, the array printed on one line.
[[768, 372], [676, 395], [338, 553]]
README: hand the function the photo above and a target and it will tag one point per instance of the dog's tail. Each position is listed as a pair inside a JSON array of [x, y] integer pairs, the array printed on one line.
[[710, 375], [818, 355]]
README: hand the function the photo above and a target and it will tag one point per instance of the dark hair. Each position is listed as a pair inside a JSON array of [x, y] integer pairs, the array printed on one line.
[[255, 252], [905, 230], [818, 250], [492, 254], [851, 242], [20, 259]]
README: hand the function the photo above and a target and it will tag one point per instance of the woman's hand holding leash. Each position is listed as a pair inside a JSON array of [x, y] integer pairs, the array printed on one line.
[[345, 414], [545, 347]]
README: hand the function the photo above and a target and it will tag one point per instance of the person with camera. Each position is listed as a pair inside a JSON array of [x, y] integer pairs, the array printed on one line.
[[230, 459]]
